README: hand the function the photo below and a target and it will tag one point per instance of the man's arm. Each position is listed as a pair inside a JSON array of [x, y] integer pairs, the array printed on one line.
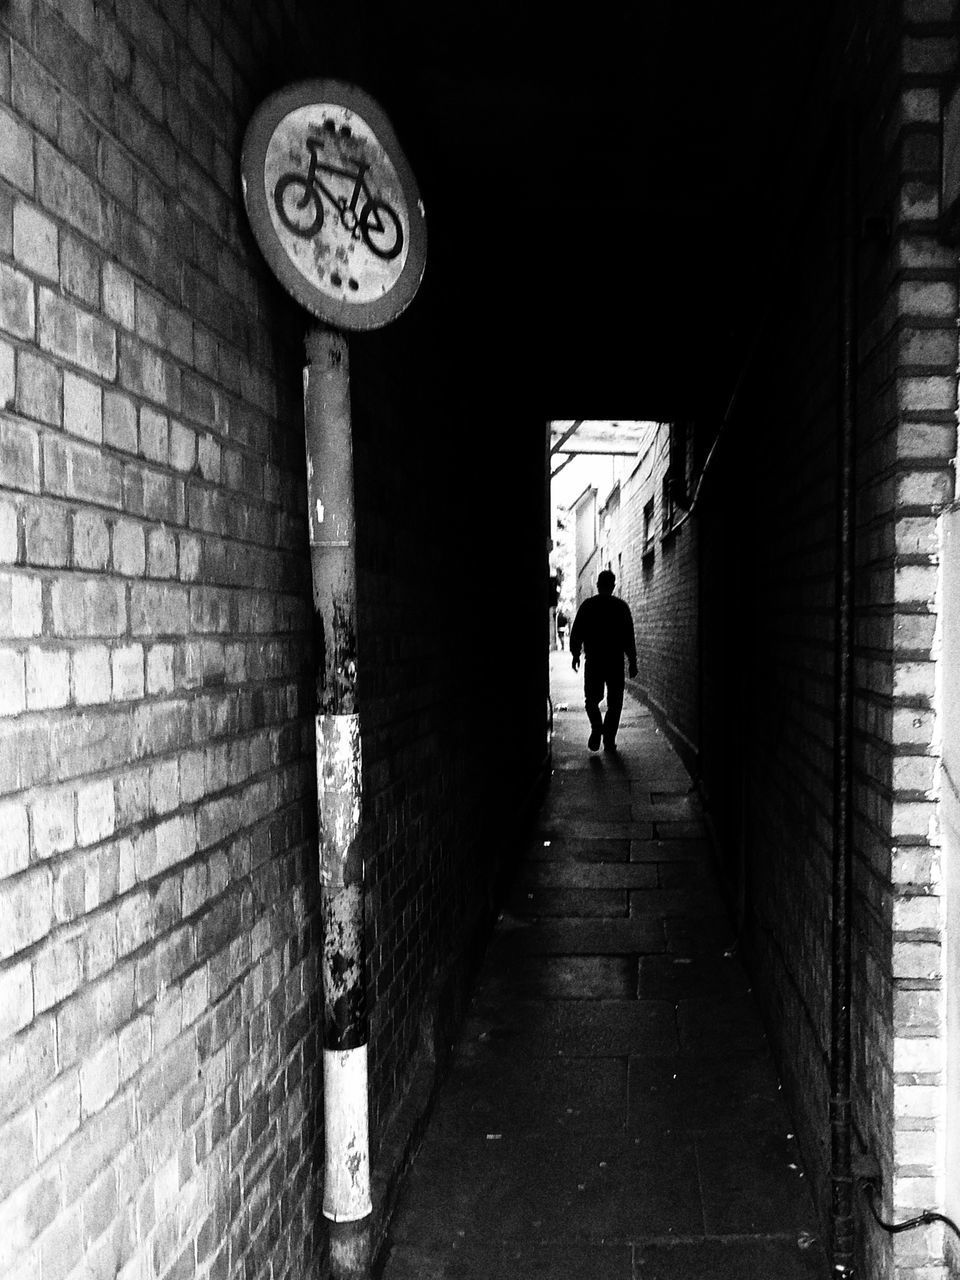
[[629, 640], [576, 639]]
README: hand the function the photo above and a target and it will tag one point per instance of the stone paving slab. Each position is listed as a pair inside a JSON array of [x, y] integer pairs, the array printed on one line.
[[681, 977], [612, 1109], [650, 850], [599, 1028], [736, 1094], [733, 1258], [500, 1092], [509, 1261], [560, 849], [705, 1023], [587, 937], [608, 977], [546, 901], [602, 1187], [570, 874]]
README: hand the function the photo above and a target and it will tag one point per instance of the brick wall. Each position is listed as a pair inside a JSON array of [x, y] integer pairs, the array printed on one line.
[[920, 455], [658, 577], [157, 970], [158, 895], [765, 529]]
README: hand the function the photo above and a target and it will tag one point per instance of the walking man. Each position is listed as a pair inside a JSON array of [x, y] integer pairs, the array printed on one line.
[[604, 628]]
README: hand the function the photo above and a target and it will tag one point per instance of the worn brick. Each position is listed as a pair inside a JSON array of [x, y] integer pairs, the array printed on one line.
[[165, 787], [19, 456], [154, 435], [96, 813], [52, 822], [917, 960], [8, 377], [91, 540], [129, 548], [13, 694], [16, 1004], [18, 1143], [27, 1064], [31, 1208], [61, 1248], [26, 910], [17, 306], [134, 1046], [20, 606], [99, 1078], [9, 540], [208, 457], [36, 245], [91, 1150], [81, 471], [14, 837], [161, 553], [88, 607], [47, 534], [79, 270], [16, 153], [119, 294], [142, 371], [159, 609], [91, 675], [183, 446], [134, 921], [119, 421], [160, 673], [128, 671], [38, 388], [76, 335], [190, 551], [48, 678], [82, 408], [57, 972], [68, 193]]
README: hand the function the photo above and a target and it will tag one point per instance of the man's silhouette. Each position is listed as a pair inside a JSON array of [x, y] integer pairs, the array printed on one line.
[[604, 628]]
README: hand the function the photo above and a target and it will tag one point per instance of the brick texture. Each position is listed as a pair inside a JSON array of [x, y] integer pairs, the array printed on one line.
[[161, 1104]]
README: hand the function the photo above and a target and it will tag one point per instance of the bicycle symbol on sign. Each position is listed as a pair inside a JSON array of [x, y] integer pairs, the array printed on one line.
[[299, 204]]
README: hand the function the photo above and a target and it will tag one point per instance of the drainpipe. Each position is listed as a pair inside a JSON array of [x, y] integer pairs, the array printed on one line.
[[346, 1197], [841, 1120]]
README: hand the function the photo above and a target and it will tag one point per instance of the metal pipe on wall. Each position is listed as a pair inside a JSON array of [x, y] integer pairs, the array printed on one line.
[[841, 1119], [346, 1198]]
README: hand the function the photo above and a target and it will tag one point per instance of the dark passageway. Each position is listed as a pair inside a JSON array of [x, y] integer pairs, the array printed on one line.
[[241, 918], [612, 1110]]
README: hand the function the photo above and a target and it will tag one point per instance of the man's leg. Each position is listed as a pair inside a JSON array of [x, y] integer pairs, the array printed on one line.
[[611, 721], [592, 693]]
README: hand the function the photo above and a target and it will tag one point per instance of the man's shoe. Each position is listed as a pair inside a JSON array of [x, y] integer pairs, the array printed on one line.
[[609, 744], [593, 742]]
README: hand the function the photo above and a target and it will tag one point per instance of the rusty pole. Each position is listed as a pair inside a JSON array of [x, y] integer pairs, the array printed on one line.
[[346, 1197]]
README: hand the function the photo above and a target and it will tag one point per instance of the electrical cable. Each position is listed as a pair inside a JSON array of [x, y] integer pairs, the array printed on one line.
[[928, 1216]]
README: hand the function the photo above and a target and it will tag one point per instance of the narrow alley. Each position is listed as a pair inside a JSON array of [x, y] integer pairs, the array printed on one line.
[[612, 1111], [307, 314]]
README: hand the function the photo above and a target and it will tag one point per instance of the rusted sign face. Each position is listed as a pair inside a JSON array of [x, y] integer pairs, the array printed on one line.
[[333, 203]]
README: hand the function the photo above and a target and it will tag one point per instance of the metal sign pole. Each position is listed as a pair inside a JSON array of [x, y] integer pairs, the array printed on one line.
[[338, 217], [346, 1199]]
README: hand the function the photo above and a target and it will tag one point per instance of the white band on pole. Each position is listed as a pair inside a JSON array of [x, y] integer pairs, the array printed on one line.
[[346, 1193]]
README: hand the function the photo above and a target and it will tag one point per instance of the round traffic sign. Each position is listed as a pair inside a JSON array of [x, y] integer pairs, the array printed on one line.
[[333, 203]]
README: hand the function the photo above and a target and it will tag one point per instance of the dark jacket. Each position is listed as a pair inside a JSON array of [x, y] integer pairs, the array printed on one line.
[[604, 628]]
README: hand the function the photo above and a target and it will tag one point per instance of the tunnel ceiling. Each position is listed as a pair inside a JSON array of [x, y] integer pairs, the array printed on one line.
[[599, 185]]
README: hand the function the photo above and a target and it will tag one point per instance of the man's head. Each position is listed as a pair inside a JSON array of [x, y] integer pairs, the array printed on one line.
[[605, 581]]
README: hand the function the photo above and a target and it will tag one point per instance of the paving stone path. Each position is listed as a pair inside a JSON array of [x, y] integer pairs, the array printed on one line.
[[612, 1112]]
